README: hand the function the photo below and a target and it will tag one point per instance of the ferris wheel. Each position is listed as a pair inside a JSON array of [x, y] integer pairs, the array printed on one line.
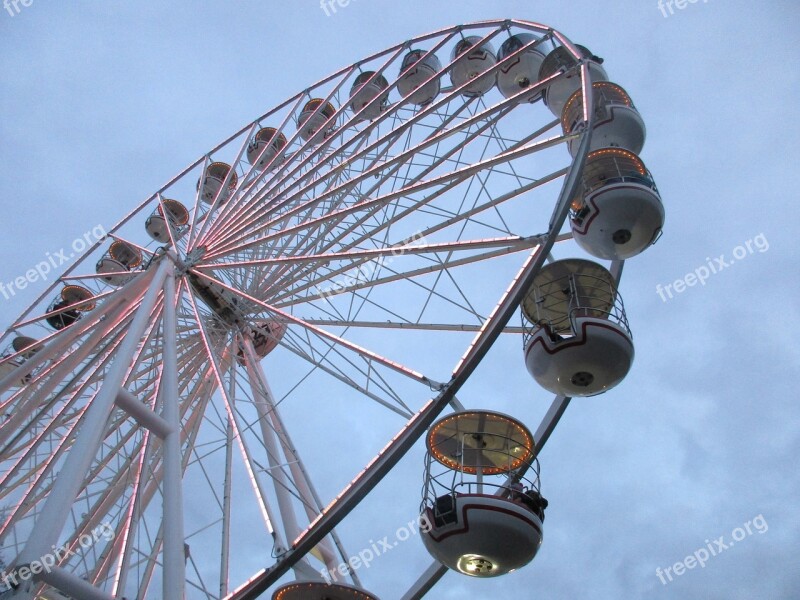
[[357, 249]]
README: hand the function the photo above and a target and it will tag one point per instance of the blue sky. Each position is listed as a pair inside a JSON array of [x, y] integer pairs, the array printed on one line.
[[101, 103]]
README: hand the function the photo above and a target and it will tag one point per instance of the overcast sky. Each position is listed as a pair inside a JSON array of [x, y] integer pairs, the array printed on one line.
[[102, 102]]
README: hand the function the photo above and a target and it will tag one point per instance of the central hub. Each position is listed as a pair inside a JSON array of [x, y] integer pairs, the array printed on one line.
[[265, 335], [225, 304]]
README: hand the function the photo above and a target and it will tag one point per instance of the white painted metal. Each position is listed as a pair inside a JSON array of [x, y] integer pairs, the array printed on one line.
[[54, 513], [73, 585], [145, 417], [174, 560]]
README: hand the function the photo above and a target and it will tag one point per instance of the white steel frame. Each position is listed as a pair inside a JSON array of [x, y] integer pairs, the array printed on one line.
[[271, 245]]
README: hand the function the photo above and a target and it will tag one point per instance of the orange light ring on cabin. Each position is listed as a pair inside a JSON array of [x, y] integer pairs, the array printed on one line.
[[527, 444], [220, 170], [591, 290], [126, 254], [327, 108], [178, 215], [311, 586], [612, 93], [599, 288], [612, 163], [605, 93], [620, 152], [76, 294], [608, 165], [270, 135]]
